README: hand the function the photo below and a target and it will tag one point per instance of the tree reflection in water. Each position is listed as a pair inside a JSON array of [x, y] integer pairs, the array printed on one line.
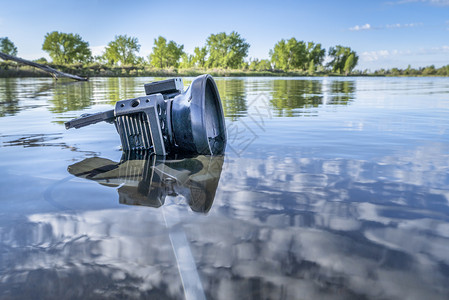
[[71, 96], [292, 98], [233, 97], [290, 95], [342, 92], [9, 101]]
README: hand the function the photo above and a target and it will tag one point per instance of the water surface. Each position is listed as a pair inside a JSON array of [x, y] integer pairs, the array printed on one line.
[[330, 188]]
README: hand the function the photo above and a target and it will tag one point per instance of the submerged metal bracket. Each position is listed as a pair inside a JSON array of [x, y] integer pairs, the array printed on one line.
[[168, 119], [156, 130], [140, 118]]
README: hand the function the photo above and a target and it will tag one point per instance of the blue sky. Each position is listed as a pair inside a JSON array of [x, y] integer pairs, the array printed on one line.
[[385, 34]]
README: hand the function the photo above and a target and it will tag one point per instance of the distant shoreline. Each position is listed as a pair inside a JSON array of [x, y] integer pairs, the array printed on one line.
[[13, 70]]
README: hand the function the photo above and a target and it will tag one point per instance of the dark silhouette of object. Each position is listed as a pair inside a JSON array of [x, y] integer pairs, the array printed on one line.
[[55, 73], [168, 120], [146, 179]]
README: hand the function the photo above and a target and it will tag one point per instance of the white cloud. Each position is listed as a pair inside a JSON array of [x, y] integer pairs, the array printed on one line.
[[362, 27], [375, 55], [431, 2], [434, 50], [403, 25], [370, 56], [388, 26], [97, 50]]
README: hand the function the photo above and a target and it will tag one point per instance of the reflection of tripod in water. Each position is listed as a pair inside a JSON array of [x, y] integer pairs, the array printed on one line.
[[145, 179]]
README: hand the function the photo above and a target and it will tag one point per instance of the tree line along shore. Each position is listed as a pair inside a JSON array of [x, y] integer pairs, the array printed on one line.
[[222, 55]]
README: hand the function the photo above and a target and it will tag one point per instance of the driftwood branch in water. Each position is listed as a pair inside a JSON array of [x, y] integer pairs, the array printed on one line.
[[55, 73]]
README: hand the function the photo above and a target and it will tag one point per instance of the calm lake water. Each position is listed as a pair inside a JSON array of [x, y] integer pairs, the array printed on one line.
[[330, 188]]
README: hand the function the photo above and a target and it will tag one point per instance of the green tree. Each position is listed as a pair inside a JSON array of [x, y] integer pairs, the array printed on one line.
[[430, 70], [66, 48], [279, 55], [100, 59], [199, 57], [122, 50], [244, 65], [259, 65], [315, 54], [350, 64], [186, 61], [158, 58], [174, 53], [411, 71], [226, 51], [291, 54], [140, 61], [264, 65], [253, 63], [7, 46], [339, 56], [443, 71], [311, 67], [395, 72], [41, 61], [165, 54], [298, 53]]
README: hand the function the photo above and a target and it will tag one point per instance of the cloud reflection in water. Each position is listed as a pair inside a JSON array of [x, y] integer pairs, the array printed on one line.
[[337, 229]]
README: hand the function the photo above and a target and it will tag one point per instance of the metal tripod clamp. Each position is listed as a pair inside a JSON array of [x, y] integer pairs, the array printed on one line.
[[141, 123]]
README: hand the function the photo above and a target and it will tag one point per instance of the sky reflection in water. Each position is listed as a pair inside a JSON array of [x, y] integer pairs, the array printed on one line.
[[330, 189]]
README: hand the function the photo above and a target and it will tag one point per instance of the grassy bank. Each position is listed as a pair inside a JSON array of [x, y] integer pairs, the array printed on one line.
[[9, 69], [12, 69]]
